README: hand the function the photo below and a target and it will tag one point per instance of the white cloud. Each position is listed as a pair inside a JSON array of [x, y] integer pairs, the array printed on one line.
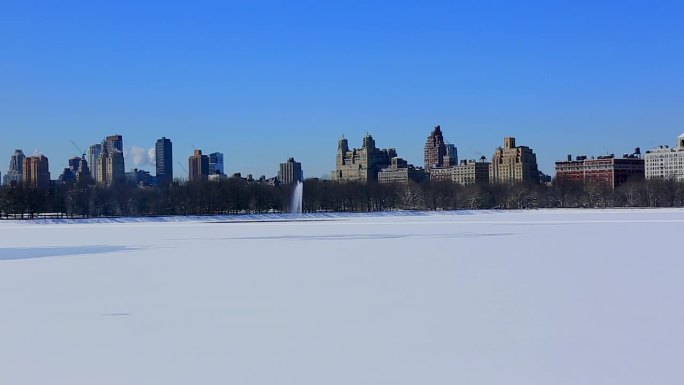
[[140, 157], [151, 157]]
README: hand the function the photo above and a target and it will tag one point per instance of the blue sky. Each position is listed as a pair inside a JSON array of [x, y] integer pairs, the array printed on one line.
[[265, 80]]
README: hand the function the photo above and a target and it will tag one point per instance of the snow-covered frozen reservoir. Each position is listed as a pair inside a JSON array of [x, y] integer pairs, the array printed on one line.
[[534, 297]]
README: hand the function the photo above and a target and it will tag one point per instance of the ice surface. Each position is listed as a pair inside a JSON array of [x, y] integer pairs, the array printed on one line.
[[534, 297]]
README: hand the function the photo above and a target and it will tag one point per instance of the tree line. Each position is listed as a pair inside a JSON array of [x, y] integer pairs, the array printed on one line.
[[239, 196]]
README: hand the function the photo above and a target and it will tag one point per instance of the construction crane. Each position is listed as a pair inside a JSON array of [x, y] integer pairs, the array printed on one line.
[[78, 148], [183, 167]]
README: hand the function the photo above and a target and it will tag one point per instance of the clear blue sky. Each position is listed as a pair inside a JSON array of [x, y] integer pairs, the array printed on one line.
[[262, 81]]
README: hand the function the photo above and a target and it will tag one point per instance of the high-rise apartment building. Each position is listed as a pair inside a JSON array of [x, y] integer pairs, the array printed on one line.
[[36, 172], [79, 167], [110, 167], [74, 163], [216, 163], [198, 169], [116, 170], [15, 170], [451, 156], [164, 161], [512, 163], [290, 172], [101, 166], [78, 170], [93, 154], [435, 150], [665, 162], [361, 164], [114, 143]]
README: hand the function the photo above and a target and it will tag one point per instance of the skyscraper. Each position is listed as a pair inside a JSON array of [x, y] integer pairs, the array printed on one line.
[[114, 143], [94, 153], [198, 166], [451, 156], [36, 172], [435, 150], [77, 171], [16, 167], [83, 170], [290, 172], [110, 167], [116, 170], [216, 163], [74, 163], [164, 160]]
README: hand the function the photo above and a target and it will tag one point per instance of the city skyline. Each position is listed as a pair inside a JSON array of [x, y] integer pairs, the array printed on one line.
[[133, 163], [266, 83]]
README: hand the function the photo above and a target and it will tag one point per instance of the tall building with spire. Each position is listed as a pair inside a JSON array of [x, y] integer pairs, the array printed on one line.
[[361, 164], [163, 152]]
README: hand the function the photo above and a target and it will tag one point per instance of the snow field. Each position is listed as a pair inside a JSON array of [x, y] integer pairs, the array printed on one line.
[[532, 297]]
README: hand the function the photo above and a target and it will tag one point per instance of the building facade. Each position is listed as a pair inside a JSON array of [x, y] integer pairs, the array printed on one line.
[[94, 152], [116, 169], [114, 143], [513, 164], [77, 171], [15, 171], [435, 150], [140, 178], [198, 167], [451, 158], [442, 174], [163, 154], [290, 172], [607, 169], [216, 163], [110, 165], [471, 172], [665, 162], [400, 172], [36, 172], [613, 171], [217, 177], [67, 177], [570, 170], [79, 168], [362, 164]]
